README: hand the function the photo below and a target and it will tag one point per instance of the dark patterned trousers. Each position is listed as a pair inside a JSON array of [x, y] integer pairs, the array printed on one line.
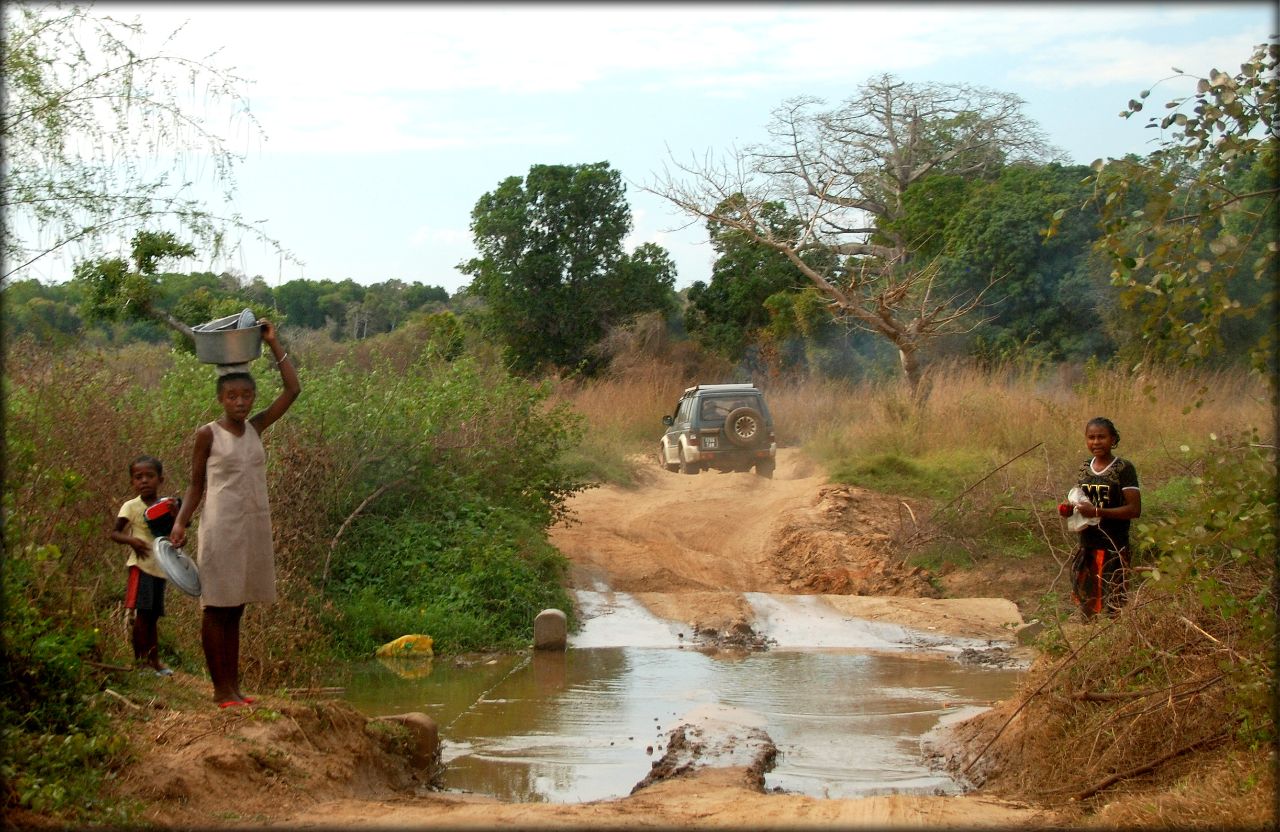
[[1100, 580]]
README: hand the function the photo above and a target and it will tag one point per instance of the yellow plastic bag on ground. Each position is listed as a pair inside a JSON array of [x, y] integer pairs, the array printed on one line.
[[414, 645]]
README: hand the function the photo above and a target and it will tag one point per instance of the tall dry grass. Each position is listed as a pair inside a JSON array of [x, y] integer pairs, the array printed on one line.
[[625, 406], [998, 413], [980, 415], [989, 453]]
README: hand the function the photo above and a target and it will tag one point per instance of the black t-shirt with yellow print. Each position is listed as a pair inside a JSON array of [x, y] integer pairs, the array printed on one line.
[[1106, 489]]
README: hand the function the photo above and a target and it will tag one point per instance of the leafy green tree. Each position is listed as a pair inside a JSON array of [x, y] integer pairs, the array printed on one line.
[[1197, 251], [300, 300], [384, 307], [420, 295], [802, 334], [257, 291], [84, 128], [1046, 290], [115, 292], [50, 321], [176, 285], [845, 173], [337, 302], [1191, 233], [552, 270], [150, 248], [726, 315], [46, 313]]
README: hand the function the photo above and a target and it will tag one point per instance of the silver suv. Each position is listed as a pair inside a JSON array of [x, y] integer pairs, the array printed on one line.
[[721, 426]]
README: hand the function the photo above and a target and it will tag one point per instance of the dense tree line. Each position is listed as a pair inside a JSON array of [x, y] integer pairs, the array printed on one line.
[[554, 278], [1028, 230], [61, 312]]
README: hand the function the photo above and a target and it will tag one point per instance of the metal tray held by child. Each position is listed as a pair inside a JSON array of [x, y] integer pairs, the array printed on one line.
[[179, 568]]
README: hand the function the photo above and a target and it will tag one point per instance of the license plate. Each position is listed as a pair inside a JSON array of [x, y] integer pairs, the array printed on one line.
[[708, 441]]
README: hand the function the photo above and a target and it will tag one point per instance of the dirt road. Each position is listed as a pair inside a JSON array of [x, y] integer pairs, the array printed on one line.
[[689, 546]]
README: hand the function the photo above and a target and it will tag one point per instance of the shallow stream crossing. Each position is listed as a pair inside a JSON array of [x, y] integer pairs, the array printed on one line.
[[845, 701]]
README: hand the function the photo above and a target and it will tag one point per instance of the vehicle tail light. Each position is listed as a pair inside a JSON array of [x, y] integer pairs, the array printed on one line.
[[693, 439]]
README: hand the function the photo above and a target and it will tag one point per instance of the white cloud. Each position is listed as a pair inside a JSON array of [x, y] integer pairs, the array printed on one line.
[[348, 78], [426, 235], [338, 123], [1133, 61], [365, 77]]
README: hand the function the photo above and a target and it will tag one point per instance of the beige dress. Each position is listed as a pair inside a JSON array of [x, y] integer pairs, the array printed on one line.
[[236, 560]]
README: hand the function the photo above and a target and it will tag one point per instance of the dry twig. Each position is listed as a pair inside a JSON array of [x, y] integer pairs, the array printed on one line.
[[1092, 696], [110, 668], [215, 729], [1151, 766], [1061, 665], [333, 544], [124, 699], [987, 477], [1195, 627]]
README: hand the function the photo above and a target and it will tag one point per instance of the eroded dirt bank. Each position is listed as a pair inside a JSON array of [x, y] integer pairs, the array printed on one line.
[[321, 765]]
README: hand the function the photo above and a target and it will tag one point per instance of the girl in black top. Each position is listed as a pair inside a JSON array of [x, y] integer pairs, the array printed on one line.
[[1110, 485]]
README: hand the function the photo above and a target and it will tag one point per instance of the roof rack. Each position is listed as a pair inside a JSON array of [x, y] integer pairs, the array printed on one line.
[[738, 386]]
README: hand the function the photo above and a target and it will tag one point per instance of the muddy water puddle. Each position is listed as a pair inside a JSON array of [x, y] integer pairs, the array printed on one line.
[[588, 723]]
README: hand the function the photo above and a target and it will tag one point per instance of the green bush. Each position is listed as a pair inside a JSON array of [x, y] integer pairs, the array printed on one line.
[[1221, 551], [473, 577], [57, 749]]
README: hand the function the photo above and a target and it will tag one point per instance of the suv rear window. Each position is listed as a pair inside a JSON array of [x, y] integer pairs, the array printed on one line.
[[714, 409]]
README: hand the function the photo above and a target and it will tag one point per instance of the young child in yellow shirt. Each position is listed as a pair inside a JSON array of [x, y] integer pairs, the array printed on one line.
[[144, 590]]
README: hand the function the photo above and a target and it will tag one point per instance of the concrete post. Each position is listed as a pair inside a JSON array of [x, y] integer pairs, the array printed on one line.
[[550, 630]]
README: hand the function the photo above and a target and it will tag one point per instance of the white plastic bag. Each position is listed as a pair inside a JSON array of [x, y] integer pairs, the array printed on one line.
[[1077, 521]]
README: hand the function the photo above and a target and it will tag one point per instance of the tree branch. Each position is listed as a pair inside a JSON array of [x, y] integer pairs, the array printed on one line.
[[1151, 766], [333, 544]]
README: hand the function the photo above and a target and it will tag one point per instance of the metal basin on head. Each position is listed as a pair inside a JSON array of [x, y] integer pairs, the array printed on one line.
[[235, 339]]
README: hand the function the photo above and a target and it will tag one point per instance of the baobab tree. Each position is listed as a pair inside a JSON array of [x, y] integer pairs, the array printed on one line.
[[844, 173]]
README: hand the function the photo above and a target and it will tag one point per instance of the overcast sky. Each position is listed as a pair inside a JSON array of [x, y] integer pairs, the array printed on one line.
[[385, 123]]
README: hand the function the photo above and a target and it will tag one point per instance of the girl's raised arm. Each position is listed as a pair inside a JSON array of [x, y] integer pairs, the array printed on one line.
[[195, 491], [288, 374]]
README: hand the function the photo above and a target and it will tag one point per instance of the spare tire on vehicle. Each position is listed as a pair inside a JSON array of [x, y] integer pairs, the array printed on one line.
[[744, 427]]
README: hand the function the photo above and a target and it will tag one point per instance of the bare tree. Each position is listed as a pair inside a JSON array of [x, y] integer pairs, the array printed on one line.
[[844, 172]]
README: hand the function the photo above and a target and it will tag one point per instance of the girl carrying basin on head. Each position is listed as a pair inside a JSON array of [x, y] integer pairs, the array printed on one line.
[[237, 562]]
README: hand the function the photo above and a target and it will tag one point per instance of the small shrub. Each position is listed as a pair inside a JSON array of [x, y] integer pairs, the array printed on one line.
[[57, 748]]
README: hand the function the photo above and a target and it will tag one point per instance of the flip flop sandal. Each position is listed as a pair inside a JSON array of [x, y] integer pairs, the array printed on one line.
[[164, 671], [232, 703], [248, 700]]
